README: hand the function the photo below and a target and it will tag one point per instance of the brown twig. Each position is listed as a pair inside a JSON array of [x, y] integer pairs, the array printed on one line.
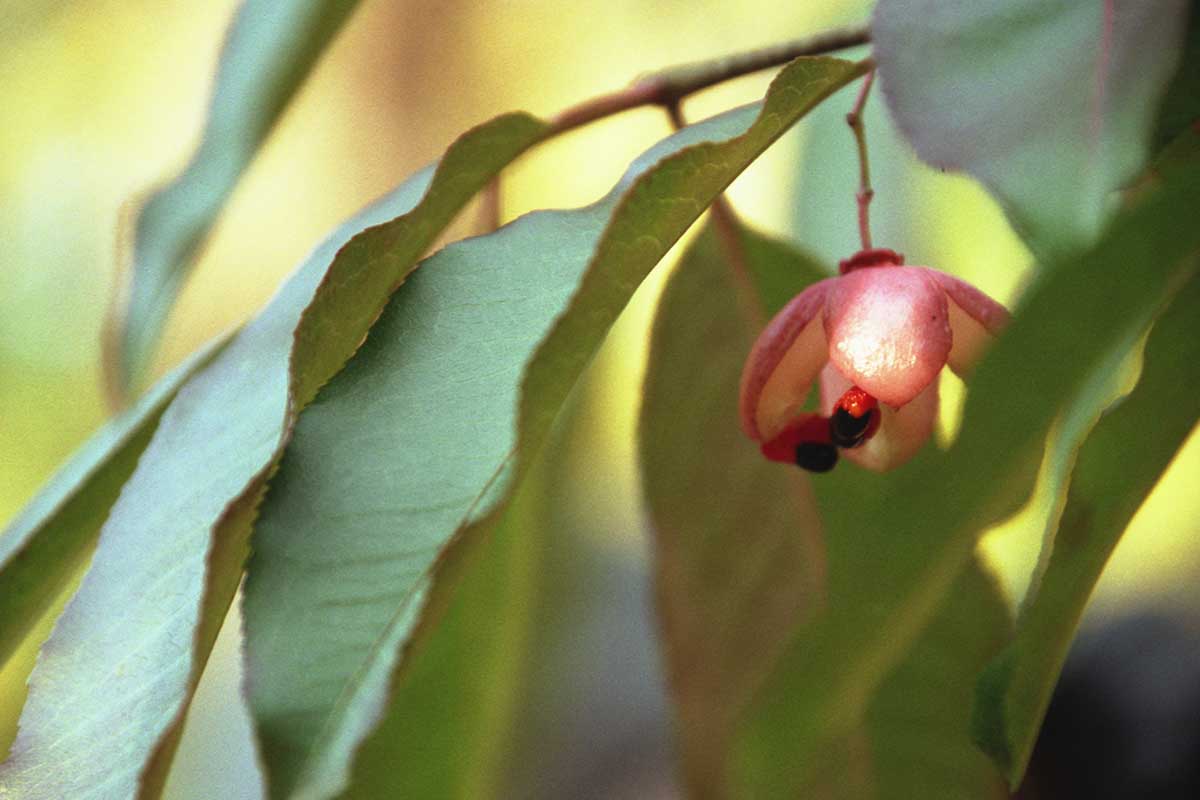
[[865, 192], [669, 87]]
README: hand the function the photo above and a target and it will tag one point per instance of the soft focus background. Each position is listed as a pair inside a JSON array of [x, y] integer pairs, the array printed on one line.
[[104, 98]]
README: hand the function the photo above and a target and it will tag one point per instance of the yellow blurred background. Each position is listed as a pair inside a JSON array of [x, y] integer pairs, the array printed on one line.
[[106, 97]]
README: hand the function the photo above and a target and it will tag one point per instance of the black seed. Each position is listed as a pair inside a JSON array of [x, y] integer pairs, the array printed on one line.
[[816, 457], [847, 430]]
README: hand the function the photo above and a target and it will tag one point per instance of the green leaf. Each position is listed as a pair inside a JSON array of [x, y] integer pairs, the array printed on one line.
[[1050, 105], [1116, 468], [1177, 136], [905, 536], [428, 431], [918, 722], [452, 727], [270, 49], [738, 545], [1181, 105], [1183, 148], [483, 687], [778, 270], [913, 740], [46, 544], [740, 558], [112, 685]]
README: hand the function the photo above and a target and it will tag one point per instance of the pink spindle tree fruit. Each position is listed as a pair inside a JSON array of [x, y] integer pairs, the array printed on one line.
[[877, 335]]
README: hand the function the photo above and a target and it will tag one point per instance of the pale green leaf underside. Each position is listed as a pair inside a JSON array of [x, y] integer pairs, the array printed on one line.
[[41, 550], [1116, 468], [910, 541], [270, 49], [113, 681], [1032, 98], [425, 431], [456, 722]]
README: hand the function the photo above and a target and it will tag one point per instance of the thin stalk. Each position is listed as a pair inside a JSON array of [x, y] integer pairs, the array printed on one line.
[[865, 193]]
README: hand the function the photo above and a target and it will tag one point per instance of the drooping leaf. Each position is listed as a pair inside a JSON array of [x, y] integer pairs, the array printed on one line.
[[452, 731], [914, 739], [1177, 135], [494, 684], [778, 270], [172, 551], [46, 544], [913, 529], [739, 550], [269, 51], [1116, 468], [1011, 747], [422, 436], [1050, 105], [740, 556], [1105, 385], [1181, 104], [918, 722], [1183, 148]]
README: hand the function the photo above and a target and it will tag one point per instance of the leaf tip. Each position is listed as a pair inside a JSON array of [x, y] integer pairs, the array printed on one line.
[[989, 724]]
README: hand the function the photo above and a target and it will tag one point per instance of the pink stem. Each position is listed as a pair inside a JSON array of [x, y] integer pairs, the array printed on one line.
[[865, 192]]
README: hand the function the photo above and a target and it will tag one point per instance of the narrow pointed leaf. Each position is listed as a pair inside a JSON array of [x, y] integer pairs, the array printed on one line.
[[43, 548], [428, 430], [917, 725], [452, 730], [1177, 134], [914, 739], [739, 549], [1181, 105], [114, 680], [1050, 105], [915, 528], [270, 49], [1117, 467]]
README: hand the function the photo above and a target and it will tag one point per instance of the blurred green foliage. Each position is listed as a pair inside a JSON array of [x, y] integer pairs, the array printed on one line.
[[110, 95]]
